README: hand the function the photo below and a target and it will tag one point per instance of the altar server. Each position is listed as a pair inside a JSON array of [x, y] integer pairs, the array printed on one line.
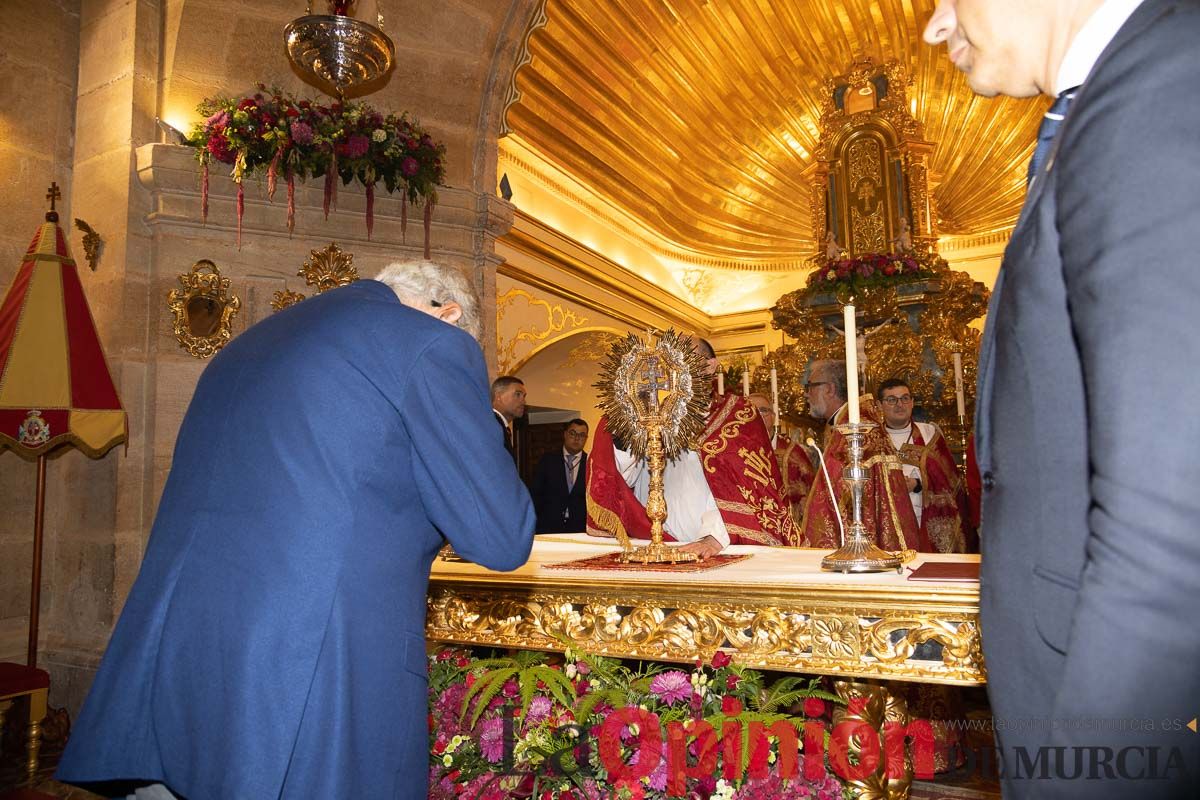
[[1086, 425], [273, 643]]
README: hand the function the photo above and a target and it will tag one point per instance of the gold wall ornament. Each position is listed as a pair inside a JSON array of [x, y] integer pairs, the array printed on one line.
[[92, 243], [285, 298], [877, 707], [203, 308], [557, 319], [594, 347], [654, 389], [328, 268], [513, 95]]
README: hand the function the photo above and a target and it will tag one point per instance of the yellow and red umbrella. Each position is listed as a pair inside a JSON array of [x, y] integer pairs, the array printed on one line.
[[55, 386]]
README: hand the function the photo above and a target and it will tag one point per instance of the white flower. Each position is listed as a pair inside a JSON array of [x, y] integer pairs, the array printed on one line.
[[379, 135], [633, 728], [724, 791], [571, 671], [831, 275]]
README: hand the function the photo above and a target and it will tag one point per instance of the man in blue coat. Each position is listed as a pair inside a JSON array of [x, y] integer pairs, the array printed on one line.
[[1086, 423], [273, 643]]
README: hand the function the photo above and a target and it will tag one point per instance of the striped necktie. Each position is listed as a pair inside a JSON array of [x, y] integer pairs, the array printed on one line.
[[571, 461], [1046, 133]]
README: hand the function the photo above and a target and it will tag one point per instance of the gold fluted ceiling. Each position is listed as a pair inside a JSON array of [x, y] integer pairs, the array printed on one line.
[[699, 117]]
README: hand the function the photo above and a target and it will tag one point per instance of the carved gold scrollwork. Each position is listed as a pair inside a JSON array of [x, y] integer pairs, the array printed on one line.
[[854, 641], [557, 320], [328, 268], [204, 309], [875, 706]]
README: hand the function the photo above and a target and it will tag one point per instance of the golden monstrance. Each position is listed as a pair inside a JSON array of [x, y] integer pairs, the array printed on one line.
[[655, 392]]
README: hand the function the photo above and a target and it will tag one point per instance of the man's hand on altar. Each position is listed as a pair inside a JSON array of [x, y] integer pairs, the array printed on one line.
[[703, 548]]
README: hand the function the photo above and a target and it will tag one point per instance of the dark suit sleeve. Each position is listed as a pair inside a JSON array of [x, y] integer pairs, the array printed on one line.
[[478, 503], [539, 489], [1128, 196]]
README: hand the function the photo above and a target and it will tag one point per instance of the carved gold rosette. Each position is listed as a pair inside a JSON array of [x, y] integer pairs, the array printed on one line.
[[328, 268], [853, 631]]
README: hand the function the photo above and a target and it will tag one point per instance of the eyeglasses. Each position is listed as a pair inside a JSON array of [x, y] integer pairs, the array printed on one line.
[[904, 399], [577, 434], [811, 384]]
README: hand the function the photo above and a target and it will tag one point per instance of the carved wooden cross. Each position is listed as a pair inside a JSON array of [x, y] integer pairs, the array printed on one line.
[[53, 194]]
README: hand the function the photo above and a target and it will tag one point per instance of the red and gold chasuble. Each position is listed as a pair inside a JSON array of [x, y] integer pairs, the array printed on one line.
[[944, 510], [798, 476], [886, 510], [742, 474]]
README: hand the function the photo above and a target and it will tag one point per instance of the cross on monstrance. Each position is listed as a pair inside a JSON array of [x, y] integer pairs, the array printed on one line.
[[52, 195], [650, 382]]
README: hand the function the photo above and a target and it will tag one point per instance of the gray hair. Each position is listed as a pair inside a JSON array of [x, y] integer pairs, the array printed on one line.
[[428, 283], [832, 371]]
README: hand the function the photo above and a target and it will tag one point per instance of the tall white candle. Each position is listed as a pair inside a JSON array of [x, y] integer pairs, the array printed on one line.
[[721, 382], [745, 379], [775, 395], [851, 364], [958, 385]]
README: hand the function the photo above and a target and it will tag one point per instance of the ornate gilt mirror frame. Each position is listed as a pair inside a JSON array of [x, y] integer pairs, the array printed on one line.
[[203, 309]]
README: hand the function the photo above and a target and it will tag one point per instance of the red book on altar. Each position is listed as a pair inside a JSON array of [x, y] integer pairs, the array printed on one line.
[[946, 572]]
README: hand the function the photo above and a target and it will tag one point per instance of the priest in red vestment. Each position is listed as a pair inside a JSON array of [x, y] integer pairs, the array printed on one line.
[[886, 510], [728, 490], [795, 464], [936, 489]]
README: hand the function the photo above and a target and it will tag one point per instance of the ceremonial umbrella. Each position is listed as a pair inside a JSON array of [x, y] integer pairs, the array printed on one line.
[[55, 387]]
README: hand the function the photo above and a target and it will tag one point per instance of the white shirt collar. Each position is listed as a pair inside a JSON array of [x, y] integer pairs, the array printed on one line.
[[1095, 35], [568, 454]]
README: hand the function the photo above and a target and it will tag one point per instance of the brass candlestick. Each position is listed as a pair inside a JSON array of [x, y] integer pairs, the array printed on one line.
[[858, 552]]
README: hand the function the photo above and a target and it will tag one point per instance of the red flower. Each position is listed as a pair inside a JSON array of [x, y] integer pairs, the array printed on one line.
[[732, 681], [721, 659], [889, 269], [731, 706], [582, 688], [411, 144], [462, 661], [814, 707], [470, 679], [410, 166], [292, 112], [247, 104], [444, 655]]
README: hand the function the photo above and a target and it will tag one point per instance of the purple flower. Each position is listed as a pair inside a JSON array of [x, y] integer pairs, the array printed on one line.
[[302, 132], [671, 687], [220, 118], [539, 711], [491, 739], [409, 166]]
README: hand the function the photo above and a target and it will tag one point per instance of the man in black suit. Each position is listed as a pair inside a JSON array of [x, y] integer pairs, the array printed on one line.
[[559, 487], [508, 405], [1086, 424]]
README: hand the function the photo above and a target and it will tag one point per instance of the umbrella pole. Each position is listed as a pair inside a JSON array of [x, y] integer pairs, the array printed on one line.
[[35, 589]]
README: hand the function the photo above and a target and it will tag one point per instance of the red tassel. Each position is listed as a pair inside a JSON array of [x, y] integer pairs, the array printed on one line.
[[204, 194], [428, 221], [328, 193], [273, 173], [291, 184], [241, 209], [370, 209], [333, 171], [403, 218]]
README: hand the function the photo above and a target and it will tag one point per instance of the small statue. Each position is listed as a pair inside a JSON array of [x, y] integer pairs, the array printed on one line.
[[903, 241], [833, 250]]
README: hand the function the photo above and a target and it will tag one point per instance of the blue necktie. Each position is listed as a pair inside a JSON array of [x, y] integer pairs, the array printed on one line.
[[1046, 133]]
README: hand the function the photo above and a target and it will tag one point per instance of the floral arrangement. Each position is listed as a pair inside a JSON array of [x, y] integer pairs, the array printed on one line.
[[871, 269], [274, 133], [580, 727]]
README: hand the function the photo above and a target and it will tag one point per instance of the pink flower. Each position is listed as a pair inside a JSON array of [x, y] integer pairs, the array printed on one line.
[[356, 146], [671, 687], [491, 740], [539, 711], [302, 132], [409, 166]]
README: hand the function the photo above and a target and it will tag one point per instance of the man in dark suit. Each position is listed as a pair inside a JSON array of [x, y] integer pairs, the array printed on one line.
[[559, 487], [273, 643], [1086, 425], [508, 405]]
